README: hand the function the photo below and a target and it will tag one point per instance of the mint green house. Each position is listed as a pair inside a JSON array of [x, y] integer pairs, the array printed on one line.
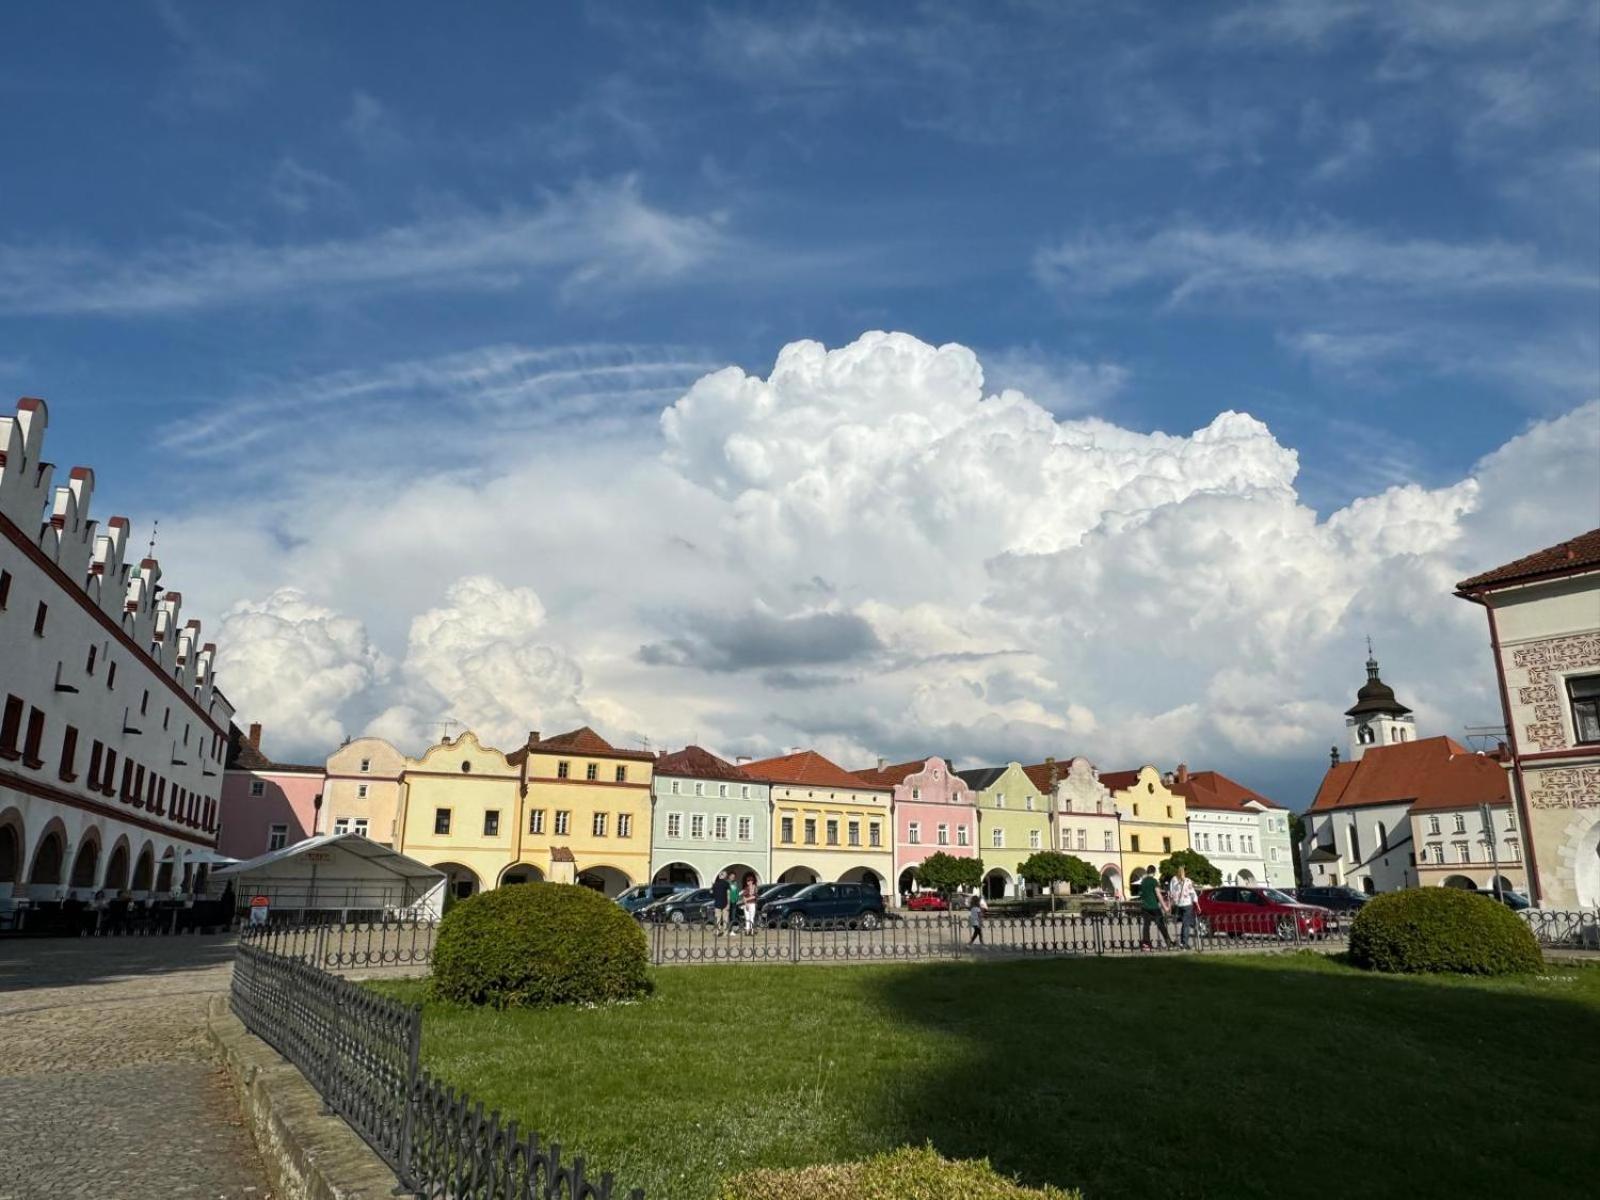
[[707, 815], [1013, 823]]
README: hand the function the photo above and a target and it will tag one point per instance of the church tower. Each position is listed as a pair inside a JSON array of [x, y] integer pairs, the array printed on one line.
[[1377, 718]]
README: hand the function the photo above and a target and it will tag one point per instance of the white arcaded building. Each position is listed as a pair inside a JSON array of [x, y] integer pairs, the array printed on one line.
[[113, 732]]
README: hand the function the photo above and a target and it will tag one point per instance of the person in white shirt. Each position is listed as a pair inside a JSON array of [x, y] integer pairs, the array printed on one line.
[[1183, 897]]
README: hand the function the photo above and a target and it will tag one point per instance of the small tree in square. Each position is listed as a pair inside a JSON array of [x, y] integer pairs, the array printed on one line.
[[944, 873], [1196, 865], [1047, 868]]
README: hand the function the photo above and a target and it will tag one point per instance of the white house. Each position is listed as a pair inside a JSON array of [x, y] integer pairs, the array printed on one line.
[[1242, 833]]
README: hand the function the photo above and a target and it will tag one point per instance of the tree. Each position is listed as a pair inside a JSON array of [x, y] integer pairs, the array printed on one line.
[[944, 873], [1197, 865], [1050, 867]]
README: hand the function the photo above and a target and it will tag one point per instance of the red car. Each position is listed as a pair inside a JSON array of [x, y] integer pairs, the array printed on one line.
[[927, 902], [1261, 911]]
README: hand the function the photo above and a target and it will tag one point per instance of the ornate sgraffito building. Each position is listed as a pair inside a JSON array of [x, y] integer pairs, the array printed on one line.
[[1544, 632], [113, 733]]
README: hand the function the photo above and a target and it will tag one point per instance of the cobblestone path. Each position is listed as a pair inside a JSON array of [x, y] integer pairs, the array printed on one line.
[[108, 1090]]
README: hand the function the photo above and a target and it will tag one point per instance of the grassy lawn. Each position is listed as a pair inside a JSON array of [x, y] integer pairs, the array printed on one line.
[[1213, 1076]]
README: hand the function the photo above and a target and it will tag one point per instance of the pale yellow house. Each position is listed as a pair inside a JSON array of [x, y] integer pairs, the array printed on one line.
[[1154, 819], [459, 811], [827, 825], [584, 814], [361, 790]]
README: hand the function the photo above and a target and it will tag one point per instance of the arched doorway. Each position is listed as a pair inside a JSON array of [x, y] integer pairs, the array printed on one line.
[[607, 880], [11, 843], [117, 868], [1246, 878], [1502, 883], [996, 884], [1586, 866], [164, 872], [677, 872], [1460, 881], [908, 881], [1111, 880], [459, 881], [521, 873], [799, 875], [85, 862], [144, 871], [740, 870], [48, 858], [1369, 887], [865, 876]]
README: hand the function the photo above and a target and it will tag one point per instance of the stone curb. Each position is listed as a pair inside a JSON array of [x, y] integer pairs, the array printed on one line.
[[308, 1155]]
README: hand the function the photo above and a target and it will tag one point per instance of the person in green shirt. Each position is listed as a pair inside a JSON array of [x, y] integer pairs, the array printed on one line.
[[1153, 909]]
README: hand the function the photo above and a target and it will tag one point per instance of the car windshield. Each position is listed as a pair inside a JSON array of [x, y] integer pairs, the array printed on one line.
[[805, 893], [1277, 897]]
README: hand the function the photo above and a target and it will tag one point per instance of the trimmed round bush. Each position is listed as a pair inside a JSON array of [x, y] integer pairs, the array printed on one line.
[[1442, 929], [904, 1174], [532, 945]]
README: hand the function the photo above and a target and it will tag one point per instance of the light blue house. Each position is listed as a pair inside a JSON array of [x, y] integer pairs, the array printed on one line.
[[708, 815]]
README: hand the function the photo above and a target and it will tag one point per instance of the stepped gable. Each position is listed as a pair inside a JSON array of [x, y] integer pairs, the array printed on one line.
[[807, 768], [1214, 790], [696, 762], [1435, 772], [580, 741], [1580, 553]]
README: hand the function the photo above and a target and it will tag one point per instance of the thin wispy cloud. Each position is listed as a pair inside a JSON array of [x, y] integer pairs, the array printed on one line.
[[596, 238]]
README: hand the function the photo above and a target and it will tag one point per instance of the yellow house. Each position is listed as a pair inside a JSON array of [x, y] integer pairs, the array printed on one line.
[[827, 825], [585, 812], [361, 793], [1154, 818], [458, 812]]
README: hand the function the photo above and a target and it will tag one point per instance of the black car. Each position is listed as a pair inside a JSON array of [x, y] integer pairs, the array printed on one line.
[[1512, 900], [767, 893], [835, 904], [1338, 899], [683, 908], [636, 898]]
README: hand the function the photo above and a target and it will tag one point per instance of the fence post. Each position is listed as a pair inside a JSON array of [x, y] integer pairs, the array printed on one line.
[[331, 1067], [408, 1115]]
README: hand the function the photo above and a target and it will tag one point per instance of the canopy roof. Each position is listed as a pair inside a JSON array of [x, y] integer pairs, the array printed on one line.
[[376, 855]]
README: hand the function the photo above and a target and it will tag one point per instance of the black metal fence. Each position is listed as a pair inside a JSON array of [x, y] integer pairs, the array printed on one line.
[[1564, 930], [361, 1052]]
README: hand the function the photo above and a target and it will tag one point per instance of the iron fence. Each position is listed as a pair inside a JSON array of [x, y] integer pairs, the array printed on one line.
[[1564, 930], [361, 1052]]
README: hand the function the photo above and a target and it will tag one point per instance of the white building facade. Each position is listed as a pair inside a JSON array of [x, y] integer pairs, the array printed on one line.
[[1242, 833], [113, 732]]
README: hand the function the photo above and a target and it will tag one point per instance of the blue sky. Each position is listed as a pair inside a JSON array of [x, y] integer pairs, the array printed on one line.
[[231, 234]]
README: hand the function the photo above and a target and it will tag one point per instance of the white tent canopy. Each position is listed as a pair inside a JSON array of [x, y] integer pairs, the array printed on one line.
[[335, 872]]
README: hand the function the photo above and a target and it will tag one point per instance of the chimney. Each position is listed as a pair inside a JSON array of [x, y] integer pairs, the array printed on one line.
[[255, 734], [1183, 772], [533, 736], [882, 763], [742, 760], [1333, 756]]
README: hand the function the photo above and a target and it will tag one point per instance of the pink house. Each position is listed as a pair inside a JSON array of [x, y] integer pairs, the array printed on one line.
[[265, 805], [934, 811]]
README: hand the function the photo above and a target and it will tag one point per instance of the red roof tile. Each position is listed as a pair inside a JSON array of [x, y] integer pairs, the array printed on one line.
[[1436, 772], [582, 740], [890, 776], [697, 763], [807, 767], [1119, 781], [1575, 554], [1212, 790]]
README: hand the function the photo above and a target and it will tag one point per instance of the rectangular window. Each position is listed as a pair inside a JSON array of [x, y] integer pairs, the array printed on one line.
[[34, 740], [1133, 843], [94, 653], [1110, 844], [874, 834], [833, 831], [674, 825], [675, 789], [699, 789], [592, 772], [786, 828], [961, 835], [360, 827], [441, 822], [361, 791], [1033, 839], [811, 831], [722, 791], [491, 823], [697, 825], [1584, 693], [562, 770], [111, 682], [1274, 854], [1166, 845], [1463, 852], [943, 834], [69, 754], [277, 837], [563, 822], [624, 825], [1461, 823], [1433, 852], [721, 828], [366, 764], [1433, 824], [1511, 820], [997, 837], [914, 833], [5, 588], [1083, 839], [144, 703], [622, 774], [342, 825], [536, 820], [257, 788], [999, 799], [1169, 812], [11, 727], [127, 779], [854, 833], [744, 791], [1027, 802], [746, 826], [916, 793], [39, 616], [108, 777], [598, 827]]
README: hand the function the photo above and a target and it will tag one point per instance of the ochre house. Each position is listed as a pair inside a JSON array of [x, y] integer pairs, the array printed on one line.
[[827, 826], [585, 812], [458, 810], [1155, 819], [361, 790]]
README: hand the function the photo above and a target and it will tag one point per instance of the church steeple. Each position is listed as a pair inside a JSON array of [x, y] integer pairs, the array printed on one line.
[[1377, 718]]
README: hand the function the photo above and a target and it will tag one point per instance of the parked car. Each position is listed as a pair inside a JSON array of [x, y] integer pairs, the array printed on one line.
[[848, 904], [927, 902], [636, 898], [1513, 900], [1259, 910], [681, 908], [1338, 899], [768, 892]]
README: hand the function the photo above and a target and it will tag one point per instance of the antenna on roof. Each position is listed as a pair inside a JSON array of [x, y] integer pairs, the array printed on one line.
[[444, 728], [1483, 738], [155, 527]]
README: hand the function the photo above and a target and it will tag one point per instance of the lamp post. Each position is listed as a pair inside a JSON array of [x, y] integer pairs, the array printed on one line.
[[1494, 856]]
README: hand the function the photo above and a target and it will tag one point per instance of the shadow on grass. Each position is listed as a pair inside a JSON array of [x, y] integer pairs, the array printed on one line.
[[1265, 1076]]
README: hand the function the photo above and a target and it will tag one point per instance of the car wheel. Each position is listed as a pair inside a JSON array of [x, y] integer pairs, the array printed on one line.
[[1285, 929], [869, 920], [1202, 927], [679, 917], [797, 920]]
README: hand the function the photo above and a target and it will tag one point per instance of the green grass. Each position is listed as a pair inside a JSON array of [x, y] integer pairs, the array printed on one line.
[[1214, 1076]]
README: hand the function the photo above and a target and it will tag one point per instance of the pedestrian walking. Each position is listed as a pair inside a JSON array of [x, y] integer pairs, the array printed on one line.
[[719, 902], [1153, 910], [747, 894], [1183, 897], [975, 919]]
